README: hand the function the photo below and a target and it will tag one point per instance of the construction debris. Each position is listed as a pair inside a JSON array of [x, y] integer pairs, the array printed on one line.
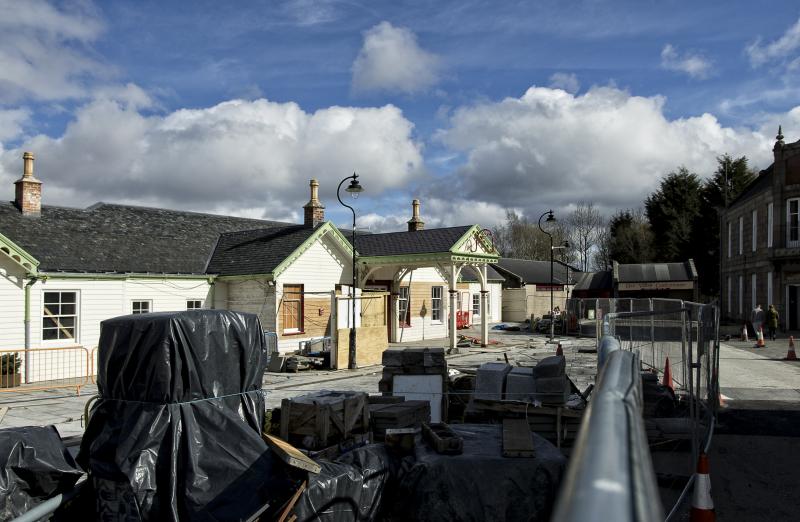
[[319, 419]]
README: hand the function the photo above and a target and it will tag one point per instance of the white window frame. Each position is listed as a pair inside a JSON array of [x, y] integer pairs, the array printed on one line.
[[730, 294], [741, 295], [135, 302], [769, 225], [190, 301], [769, 289], [789, 242], [755, 229], [436, 303], [77, 317], [741, 235], [730, 240], [403, 302], [476, 304], [753, 290]]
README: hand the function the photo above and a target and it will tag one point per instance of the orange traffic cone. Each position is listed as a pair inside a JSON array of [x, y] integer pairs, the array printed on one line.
[[744, 333], [760, 341], [559, 350], [702, 505], [790, 355], [667, 380]]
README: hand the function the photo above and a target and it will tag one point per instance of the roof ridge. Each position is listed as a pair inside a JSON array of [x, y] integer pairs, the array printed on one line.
[[101, 204]]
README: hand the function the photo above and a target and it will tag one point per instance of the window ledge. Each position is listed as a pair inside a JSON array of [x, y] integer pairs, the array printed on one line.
[[292, 333]]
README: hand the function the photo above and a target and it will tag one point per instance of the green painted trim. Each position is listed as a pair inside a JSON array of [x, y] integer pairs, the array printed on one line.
[[11, 249], [472, 230], [441, 257], [321, 230], [245, 277], [89, 275]]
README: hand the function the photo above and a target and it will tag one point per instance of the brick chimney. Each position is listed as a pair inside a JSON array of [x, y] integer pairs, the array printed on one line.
[[28, 189], [313, 211], [415, 223]]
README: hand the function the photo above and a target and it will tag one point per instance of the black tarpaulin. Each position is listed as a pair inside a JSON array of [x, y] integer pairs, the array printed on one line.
[[34, 466], [480, 484], [351, 488], [176, 433]]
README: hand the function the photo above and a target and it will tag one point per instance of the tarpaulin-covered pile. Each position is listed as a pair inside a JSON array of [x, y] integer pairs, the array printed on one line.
[[352, 488], [176, 433], [480, 484], [34, 466]]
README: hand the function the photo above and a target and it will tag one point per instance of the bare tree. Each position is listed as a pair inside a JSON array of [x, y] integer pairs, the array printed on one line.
[[601, 260], [521, 238], [585, 224]]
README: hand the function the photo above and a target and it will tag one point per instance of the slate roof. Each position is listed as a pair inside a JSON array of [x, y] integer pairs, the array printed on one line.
[[120, 238], [601, 280], [762, 183], [651, 272], [469, 276], [536, 272], [404, 243], [256, 251]]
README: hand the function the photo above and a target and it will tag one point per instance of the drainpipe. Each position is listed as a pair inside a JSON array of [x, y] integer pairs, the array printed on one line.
[[28, 286], [211, 293]]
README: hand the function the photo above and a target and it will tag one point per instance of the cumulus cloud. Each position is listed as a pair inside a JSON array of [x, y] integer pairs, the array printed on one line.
[[692, 64], [566, 81], [11, 122], [391, 60], [236, 157], [549, 148], [44, 51], [779, 49]]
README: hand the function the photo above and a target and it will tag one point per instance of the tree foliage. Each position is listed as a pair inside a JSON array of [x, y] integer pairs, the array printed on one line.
[[630, 239], [673, 212]]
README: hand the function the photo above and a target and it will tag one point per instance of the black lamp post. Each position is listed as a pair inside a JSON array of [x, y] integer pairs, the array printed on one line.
[[550, 219], [354, 189]]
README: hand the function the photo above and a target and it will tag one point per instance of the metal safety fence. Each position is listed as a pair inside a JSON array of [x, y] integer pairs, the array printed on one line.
[[38, 369], [679, 339]]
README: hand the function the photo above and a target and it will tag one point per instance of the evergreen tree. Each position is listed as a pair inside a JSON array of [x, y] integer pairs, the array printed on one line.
[[630, 238], [673, 211]]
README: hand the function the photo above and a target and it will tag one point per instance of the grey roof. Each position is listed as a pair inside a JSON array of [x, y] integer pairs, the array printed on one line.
[[651, 272], [601, 280], [415, 242], [536, 272], [120, 238], [469, 276], [762, 183], [256, 251]]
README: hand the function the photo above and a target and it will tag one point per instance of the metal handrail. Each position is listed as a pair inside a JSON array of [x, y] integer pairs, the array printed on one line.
[[608, 479]]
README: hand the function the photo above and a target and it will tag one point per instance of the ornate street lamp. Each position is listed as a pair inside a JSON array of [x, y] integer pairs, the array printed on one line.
[[354, 189], [550, 219]]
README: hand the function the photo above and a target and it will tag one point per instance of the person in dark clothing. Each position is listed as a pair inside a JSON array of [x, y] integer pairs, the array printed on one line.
[[772, 321]]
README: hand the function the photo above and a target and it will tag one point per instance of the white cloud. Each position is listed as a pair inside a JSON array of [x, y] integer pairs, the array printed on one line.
[[566, 81], [694, 65], [549, 149], [234, 157], [779, 49], [11, 122], [44, 51], [392, 60]]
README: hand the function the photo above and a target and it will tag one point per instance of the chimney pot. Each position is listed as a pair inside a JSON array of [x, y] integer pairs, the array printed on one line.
[[28, 189], [415, 223], [313, 211]]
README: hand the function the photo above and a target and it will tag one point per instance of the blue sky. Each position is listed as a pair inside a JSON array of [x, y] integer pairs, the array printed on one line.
[[474, 107]]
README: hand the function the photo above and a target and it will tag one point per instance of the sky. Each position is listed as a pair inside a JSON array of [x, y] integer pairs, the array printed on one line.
[[474, 107]]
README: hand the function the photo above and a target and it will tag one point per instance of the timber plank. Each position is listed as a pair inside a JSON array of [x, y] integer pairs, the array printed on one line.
[[517, 440]]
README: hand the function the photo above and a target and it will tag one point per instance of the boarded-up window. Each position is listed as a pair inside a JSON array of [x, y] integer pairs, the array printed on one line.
[[292, 308], [60, 316]]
